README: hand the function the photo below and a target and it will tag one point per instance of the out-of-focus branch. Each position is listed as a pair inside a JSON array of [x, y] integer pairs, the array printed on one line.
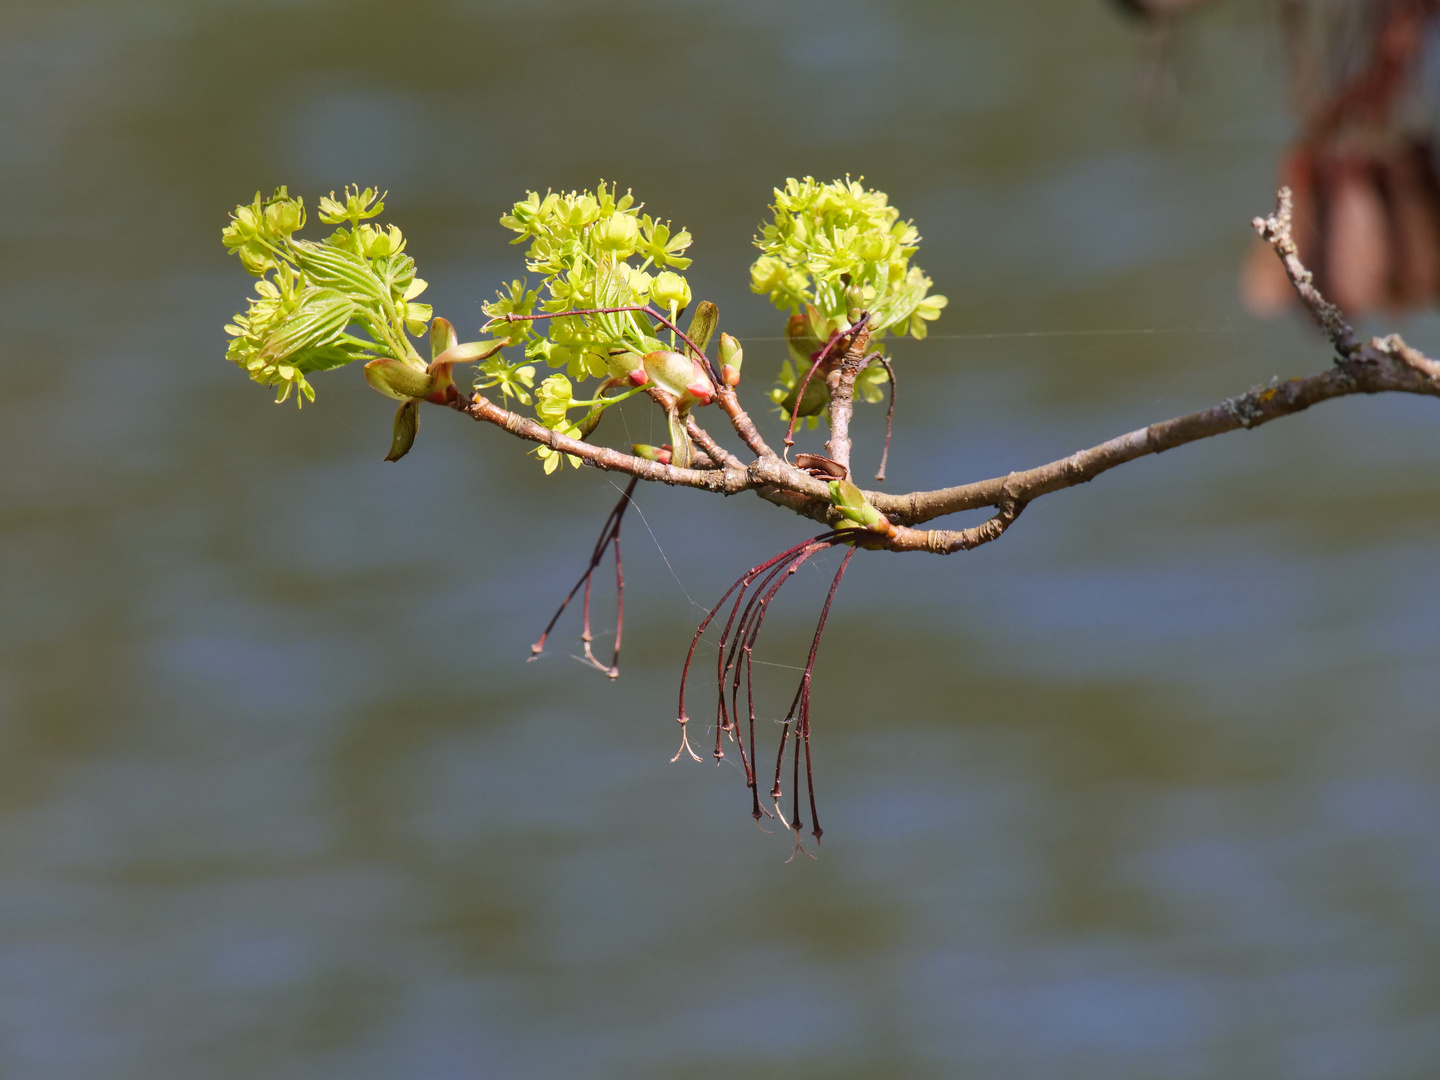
[[1276, 230]]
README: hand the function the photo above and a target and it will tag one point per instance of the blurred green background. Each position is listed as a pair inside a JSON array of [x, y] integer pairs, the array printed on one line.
[[1149, 790]]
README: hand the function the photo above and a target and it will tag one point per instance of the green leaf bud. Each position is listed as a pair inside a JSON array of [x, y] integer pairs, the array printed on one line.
[[699, 387], [850, 501], [621, 362], [441, 369], [468, 352], [653, 453], [442, 337], [731, 357], [407, 423], [398, 379], [679, 376], [669, 370]]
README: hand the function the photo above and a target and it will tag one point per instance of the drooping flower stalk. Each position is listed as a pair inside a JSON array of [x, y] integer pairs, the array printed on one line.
[[743, 583], [802, 719], [735, 660], [609, 535]]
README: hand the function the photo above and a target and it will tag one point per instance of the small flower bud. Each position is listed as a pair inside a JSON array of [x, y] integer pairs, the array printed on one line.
[[618, 233], [284, 215], [256, 258], [669, 290]]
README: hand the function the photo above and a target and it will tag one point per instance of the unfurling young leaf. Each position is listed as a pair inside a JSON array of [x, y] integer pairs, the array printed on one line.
[[702, 326], [442, 337], [321, 305], [681, 450], [407, 423]]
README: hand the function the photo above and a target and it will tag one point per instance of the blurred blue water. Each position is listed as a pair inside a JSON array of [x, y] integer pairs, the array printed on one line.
[[1147, 790]]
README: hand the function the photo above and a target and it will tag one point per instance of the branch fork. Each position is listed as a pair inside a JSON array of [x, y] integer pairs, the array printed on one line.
[[1383, 364]]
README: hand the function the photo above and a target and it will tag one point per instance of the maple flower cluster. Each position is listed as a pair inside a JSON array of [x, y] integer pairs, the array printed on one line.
[[830, 251]]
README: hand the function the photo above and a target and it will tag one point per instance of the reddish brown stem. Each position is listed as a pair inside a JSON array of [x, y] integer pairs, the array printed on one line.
[[889, 418], [742, 583], [743, 644], [806, 681], [609, 535]]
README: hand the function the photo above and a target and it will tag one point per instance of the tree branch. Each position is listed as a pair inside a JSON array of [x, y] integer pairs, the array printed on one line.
[[842, 395], [1384, 364], [1375, 374], [765, 472], [1275, 230], [728, 480], [713, 450]]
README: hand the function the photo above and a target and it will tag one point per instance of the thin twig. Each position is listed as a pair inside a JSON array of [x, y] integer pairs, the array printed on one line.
[[1276, 230], [609, 535], [889, 418]]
